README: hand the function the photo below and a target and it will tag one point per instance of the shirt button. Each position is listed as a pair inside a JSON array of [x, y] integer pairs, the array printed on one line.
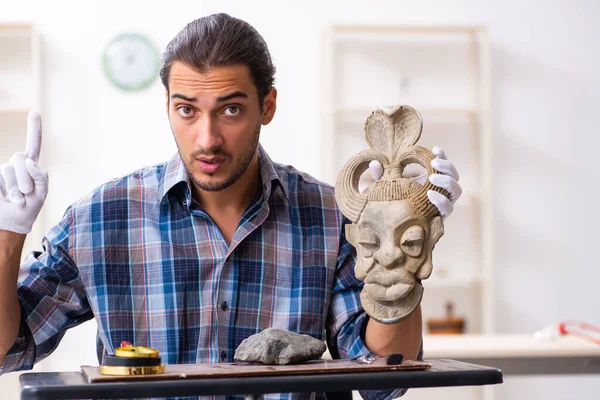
[[224, 306], [223, 355]]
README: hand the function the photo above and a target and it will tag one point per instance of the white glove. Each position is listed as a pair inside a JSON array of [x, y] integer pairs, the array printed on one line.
[[23, 184], [447, 179]]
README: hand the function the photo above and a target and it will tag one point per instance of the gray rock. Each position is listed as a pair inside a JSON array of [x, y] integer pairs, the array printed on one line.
[[276, 346]]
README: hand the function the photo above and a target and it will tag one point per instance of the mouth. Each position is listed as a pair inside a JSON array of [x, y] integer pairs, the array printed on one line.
[[210, 165], [386, 287], [389, 293]]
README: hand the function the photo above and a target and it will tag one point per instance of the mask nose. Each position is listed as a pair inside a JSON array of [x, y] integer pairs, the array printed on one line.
[[388, 256]]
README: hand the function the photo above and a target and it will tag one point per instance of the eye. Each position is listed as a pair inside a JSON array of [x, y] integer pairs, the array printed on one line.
[[185, 111], [369, 242], [412, 241], [232, 111]]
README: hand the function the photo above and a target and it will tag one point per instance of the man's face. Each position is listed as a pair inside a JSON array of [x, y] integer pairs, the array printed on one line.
[[216, 118]]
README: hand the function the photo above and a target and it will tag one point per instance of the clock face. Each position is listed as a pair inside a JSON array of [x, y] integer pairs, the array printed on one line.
[[131, 62]]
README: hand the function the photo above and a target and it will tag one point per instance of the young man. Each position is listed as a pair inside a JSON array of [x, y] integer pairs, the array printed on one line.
[[193, 255]]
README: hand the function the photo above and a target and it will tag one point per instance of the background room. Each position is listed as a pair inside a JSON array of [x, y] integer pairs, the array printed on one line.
[[508, 88]]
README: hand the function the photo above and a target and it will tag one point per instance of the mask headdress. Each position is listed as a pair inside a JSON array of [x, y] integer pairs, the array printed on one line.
[[391, 133]]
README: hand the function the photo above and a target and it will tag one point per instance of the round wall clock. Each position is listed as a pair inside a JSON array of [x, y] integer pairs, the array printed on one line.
[[131, 62]]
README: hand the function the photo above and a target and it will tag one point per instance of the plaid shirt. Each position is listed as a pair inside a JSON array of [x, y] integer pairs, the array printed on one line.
[[151, 266]]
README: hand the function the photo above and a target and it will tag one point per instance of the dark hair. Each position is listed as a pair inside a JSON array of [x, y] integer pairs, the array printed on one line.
[[221, 40]]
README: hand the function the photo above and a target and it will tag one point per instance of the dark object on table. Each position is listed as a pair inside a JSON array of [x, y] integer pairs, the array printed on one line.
[[448, 325], [394, 359], [114, 361], [277, 346]]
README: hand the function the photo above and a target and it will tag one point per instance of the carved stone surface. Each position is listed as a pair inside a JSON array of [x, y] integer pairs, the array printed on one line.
[[394, 225], [276, 346]]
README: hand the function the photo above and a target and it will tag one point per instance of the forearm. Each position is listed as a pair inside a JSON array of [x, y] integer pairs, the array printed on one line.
[[402, 337], [11, 247]]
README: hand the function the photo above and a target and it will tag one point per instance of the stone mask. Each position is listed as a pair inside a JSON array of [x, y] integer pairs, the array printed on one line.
[[394, 225]]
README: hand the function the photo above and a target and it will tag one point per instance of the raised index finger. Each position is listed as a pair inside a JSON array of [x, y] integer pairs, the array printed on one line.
[[34, 136]]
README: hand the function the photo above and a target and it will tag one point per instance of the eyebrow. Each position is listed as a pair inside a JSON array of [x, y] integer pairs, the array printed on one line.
[[219, 99], [180, 96], [232, 96], [365, 222], [369, 223]]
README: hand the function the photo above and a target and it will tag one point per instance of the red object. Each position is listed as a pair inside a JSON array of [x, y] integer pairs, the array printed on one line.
[[581, 329], [125, 343]]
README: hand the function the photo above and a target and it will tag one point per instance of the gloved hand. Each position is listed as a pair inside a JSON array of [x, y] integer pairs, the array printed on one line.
[[446, 179], [23, 184]]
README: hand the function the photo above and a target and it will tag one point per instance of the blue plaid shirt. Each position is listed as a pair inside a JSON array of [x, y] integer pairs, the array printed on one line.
[[151, 266]]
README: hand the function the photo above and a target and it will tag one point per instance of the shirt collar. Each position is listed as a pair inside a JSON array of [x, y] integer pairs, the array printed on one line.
[[270, 178], [175, 173]]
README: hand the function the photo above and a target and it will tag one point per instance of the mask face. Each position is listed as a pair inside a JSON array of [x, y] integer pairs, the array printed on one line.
[[394, 250]]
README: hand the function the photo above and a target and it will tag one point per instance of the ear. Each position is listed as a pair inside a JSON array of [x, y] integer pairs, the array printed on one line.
[[351, 234], [362, 266], [269, 106], [167, 100], [436, 230]]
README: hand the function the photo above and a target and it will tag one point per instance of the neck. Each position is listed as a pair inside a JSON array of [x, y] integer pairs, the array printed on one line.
[[235, 198]]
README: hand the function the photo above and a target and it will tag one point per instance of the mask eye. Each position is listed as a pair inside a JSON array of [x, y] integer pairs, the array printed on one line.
[[369, 242], [412, 241]]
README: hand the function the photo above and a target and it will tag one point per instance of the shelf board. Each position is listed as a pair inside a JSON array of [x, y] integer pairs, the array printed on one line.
[[10, 31], [15, 26], [451, 283], [444, 29], [8, 109], [405, 33], [352, 114]]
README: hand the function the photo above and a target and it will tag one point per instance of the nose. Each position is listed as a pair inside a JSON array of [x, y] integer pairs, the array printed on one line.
[[208, 135], [388, 255]]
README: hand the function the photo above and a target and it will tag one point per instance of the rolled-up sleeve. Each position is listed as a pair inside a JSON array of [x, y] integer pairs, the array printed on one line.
[[52, 299], [347, 320]]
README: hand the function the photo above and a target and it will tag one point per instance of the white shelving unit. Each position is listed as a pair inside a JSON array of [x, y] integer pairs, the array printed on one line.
[[443, 72], [19, 93]]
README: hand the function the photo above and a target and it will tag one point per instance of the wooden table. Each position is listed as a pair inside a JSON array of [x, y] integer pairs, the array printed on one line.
[[73, 385]]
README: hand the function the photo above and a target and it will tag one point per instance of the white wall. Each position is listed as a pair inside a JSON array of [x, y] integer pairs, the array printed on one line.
[[545, 99]]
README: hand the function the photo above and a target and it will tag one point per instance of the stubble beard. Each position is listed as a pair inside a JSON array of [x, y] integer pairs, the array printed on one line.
[[241, 164]]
